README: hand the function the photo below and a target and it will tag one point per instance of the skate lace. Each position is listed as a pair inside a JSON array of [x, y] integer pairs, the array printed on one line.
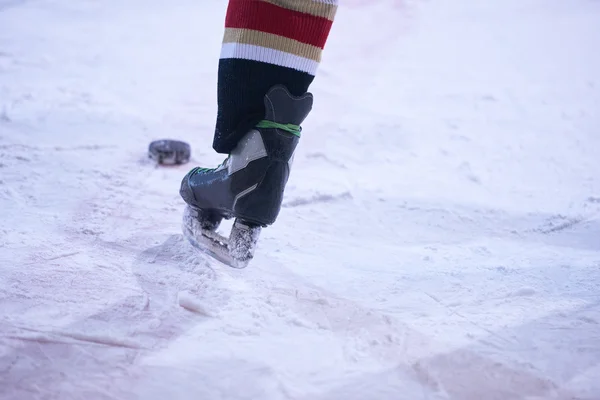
[[291, 128], [203, 170], [266, 124]]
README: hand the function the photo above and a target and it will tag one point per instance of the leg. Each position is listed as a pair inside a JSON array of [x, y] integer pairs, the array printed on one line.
[[270, 54], [266, 42]]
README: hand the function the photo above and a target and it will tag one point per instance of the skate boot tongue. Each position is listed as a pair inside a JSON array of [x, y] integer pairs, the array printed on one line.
[[284, 108]]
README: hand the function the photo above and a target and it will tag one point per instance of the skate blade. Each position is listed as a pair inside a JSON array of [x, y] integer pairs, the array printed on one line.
[[215, 246], [236, 251]]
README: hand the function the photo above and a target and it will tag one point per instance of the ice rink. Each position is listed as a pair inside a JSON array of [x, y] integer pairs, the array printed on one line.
[[440, 235]]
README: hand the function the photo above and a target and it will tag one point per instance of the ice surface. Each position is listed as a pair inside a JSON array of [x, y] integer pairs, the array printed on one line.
[[439, 237]]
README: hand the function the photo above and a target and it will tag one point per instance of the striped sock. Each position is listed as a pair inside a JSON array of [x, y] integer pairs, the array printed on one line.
[[266, 42]]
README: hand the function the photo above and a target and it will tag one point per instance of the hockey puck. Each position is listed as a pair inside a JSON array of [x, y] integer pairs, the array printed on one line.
[[169, 152]]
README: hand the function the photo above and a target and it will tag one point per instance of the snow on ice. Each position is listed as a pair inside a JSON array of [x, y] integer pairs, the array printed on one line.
[[440, 237]]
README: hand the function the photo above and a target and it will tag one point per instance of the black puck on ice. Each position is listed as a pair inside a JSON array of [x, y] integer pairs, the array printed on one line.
[[169, 152]]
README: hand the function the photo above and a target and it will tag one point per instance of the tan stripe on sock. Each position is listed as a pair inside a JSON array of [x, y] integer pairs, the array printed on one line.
[[275, 42], [312, 7]]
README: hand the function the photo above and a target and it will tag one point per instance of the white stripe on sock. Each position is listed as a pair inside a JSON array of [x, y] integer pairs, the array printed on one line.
[[270, 56]]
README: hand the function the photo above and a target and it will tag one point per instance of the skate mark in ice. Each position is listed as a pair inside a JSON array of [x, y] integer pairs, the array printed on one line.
[[416, 382], [454, 311], [559, 223], [41, 149], [58, 337], [574, 232], [367, 334], [316, 199], [589, 211], [172, 282], [577, 348], [89, 147], [54, 258]]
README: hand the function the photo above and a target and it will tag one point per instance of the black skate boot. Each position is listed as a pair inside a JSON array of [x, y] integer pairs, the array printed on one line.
[[248, 185]]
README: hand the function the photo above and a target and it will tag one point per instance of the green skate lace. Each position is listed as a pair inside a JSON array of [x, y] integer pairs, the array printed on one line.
[[291, 128], [203, 170]]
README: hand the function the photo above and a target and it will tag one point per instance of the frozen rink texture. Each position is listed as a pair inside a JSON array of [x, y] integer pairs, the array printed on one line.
[[440, 236]]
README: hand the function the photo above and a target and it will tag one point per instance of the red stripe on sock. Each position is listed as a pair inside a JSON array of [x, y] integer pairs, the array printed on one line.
[[269, 18]]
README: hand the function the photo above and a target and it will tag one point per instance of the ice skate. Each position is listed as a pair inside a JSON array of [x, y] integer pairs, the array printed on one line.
[[248, 186]]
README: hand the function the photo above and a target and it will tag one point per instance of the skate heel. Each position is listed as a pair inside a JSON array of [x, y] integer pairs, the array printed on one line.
[[261, 203]]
